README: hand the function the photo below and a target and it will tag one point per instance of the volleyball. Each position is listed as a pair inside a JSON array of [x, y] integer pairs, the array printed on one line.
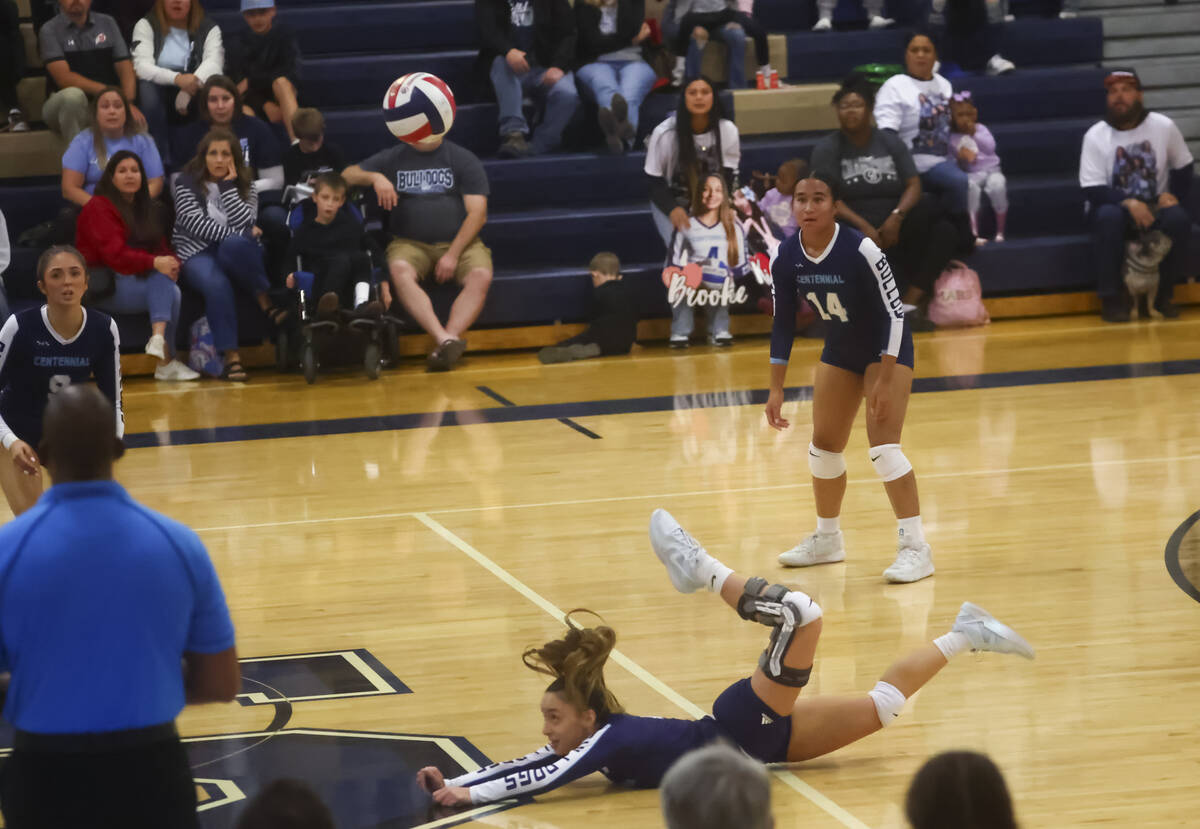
[[418, 107]]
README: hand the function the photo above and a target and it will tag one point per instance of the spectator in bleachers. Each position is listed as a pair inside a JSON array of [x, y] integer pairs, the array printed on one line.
[[611, 33], [176, 48], [916, 106], [613, 329], [688, 25], [330, 245], [437, 193], [221, 106], [874, 9], [959, 790], [286, 804], [1135, 170], [12, 66], [5, 259], [973, 32], [126, 12], [83, 53], [311, 155], [687, 146], [264, 61], [776, 203], [881, 195], [113, 129], [973, 146], [716, 787], [123, 229], [216, 239], [529, 49]]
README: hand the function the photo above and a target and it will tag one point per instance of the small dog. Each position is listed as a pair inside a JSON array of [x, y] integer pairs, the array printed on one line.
[[1140, 271]]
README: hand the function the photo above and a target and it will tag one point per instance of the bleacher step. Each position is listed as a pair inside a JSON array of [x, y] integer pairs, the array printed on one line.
[[1146, 23], [34, 153], [1150, 47]]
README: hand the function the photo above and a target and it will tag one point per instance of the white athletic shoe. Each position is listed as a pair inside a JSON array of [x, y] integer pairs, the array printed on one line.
[[988, 634], [681, 554], [999, 65], [880, 22], [911, 564], [816, 549], [175, 371], [823, 25], [156, 346]]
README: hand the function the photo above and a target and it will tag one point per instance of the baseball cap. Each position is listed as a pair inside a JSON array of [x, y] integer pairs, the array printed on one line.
[[1116, 75], [252, 5]]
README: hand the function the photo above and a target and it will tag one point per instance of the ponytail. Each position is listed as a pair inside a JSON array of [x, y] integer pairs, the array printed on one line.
[[576, 661]]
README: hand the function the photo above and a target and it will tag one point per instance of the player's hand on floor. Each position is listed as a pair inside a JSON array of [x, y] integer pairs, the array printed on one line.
[[24, 457], [430, 779], [452, 796]]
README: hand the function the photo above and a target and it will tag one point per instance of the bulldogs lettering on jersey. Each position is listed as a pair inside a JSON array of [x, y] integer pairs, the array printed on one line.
[[35, 362]]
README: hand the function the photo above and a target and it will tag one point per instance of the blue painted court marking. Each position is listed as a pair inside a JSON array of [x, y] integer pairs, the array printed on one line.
[[565, 421], [1175, 567], [634, 405]]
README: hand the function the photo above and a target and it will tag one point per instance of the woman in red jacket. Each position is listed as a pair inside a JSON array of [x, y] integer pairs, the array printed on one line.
[[121, 228]]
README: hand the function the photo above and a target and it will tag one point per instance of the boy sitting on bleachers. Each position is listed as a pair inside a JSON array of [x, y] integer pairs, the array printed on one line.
[[264, 61], [311, 155], [330, 245], [613, 329]]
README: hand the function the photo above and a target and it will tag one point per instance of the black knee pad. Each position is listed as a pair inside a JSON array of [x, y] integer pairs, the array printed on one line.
[[759, 605]]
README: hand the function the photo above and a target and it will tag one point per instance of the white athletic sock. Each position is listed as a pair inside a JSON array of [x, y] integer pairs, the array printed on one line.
[[828, 526], [362, 291], [952, 644], [715, 574], [911, 534]]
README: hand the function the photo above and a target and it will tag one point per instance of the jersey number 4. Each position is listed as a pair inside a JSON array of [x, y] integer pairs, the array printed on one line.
[[833, 306]]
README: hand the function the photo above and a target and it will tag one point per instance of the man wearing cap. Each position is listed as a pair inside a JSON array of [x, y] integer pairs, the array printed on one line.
[[111, 618], [264, 61], [1135, 169], [83, 53]]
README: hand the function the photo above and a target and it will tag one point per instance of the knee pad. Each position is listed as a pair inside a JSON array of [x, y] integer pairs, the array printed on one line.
[[889, 702], [889, 461], [825, 464], [785, 612]]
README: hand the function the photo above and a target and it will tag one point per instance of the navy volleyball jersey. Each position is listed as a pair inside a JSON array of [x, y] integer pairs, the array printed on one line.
[[852, 287], [628, 750], [35, 362]]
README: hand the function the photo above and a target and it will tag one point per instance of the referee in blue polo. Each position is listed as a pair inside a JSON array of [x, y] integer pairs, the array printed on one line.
[[111, 619]]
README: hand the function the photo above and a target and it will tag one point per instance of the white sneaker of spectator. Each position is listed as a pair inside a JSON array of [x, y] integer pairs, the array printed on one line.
[[823, 25], [156, 346], [1067, 14], [175, 371], [998, 65], [879, 22]]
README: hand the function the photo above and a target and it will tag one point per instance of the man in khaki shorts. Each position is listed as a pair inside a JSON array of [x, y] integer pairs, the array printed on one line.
[[437, 193]]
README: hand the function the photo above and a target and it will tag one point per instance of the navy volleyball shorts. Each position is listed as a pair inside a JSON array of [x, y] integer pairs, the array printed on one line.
[[750, 722], [854, 353]]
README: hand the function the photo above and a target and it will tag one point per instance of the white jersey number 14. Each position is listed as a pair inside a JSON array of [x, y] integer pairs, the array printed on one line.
[[832, 308]]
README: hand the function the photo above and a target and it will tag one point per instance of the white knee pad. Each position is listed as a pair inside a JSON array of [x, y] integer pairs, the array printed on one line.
[[825, 464], [889, 461], [889, 702]]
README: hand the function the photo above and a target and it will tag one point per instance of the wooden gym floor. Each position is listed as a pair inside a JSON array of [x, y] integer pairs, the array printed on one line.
[[441, 522]]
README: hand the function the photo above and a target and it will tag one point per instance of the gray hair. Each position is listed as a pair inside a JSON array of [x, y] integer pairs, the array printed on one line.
[[717, 787]]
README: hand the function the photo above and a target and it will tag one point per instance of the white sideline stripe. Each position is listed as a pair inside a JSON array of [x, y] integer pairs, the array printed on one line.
[[872, 481], [796, 784]]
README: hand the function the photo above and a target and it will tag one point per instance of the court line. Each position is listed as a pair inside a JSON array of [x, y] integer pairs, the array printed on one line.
[[864, 481], [565, 421], [671, 695], [1174, 566]]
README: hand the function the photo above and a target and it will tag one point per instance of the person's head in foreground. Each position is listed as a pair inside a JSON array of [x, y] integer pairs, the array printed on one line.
[[286, 804], [577, 702], [959, 790], [79, 436], [716, 787]]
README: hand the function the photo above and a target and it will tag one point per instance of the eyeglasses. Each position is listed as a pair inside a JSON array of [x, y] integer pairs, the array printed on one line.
[[845, 105]]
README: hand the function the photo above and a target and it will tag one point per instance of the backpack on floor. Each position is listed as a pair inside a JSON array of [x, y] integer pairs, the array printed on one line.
[[957, 298], [203, 356]]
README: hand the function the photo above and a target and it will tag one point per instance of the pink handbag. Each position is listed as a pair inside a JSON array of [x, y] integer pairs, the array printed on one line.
[[957, 298]]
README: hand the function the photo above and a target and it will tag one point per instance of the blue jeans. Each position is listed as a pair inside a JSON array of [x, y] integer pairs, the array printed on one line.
[[154, 100], [156, 293], [561, 101], [237, 261], [1110, 226], [949, 181], [734, 37], [632, 78]]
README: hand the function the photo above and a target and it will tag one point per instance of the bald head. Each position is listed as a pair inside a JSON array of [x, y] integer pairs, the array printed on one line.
[[79, 435]]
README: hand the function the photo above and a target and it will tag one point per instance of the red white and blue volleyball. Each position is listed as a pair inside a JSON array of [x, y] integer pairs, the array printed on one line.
[[419, 107]]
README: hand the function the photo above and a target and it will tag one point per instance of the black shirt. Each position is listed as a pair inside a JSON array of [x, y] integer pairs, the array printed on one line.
[[261, 59], [299, 166], [313, 240]]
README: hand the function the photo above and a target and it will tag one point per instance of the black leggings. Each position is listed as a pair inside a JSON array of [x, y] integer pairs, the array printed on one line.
[[338, 272], [928, 240], [715, 20]]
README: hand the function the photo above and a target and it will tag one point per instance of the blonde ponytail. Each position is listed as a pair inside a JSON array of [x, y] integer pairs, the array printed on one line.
[[576, 661]]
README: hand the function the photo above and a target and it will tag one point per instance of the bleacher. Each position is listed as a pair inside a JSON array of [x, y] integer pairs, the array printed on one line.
[[549, 214]]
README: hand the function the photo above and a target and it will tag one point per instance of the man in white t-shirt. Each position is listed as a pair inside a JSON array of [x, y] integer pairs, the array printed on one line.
[[1135, 169]]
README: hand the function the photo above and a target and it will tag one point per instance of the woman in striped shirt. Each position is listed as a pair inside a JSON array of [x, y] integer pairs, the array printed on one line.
[[217, 240]]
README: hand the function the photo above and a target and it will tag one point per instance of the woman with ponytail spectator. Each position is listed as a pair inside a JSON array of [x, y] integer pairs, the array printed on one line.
[[217, 240], [122, 229]]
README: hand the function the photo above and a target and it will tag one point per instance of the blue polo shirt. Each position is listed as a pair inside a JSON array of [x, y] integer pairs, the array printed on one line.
[[99, 599]]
